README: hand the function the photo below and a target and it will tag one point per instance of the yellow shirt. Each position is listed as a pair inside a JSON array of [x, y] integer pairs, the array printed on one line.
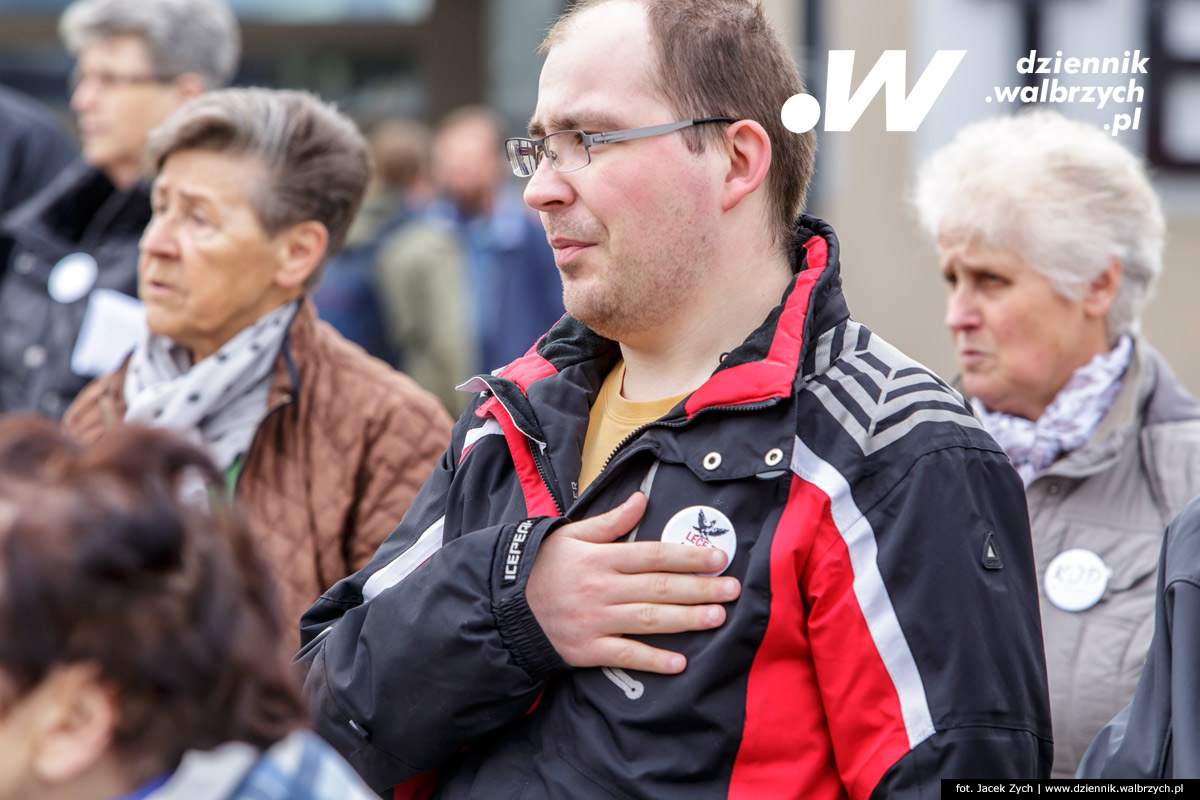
[[612, 419]]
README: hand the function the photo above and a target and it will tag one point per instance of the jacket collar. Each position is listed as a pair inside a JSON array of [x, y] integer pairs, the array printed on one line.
[[1123, 422], [77, 206], [290, 363]]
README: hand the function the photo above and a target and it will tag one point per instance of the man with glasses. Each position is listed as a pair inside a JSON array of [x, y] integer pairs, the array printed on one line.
[[710, 537], [67, 295]]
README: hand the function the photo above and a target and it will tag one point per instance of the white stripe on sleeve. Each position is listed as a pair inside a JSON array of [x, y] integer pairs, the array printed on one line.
[[402, 565], [870, 591]]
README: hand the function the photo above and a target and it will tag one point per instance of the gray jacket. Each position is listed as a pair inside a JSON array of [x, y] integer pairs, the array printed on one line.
[[1158, 734], [1113, 496]]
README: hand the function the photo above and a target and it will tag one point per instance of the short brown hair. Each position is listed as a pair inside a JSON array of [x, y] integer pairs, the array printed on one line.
[[123, 555], [726, 59], [317, 159], [401, 148]]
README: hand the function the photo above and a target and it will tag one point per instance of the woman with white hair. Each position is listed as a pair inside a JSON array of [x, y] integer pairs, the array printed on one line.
[[1051, 238]]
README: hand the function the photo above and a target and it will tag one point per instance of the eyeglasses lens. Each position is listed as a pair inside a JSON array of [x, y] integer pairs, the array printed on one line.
[[566, 151], [522, 156]]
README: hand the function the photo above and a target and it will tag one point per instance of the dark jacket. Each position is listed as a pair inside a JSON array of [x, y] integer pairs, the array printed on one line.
[[81, 212], [346, 444], [33, 149], [887, 634], [1158, 734]]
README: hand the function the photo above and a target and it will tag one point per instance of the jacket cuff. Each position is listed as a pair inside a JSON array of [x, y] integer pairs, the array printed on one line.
[[519, 629]]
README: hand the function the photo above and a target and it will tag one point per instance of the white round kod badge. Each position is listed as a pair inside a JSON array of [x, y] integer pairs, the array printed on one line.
[[1076, 580], [702, 526], [73, 277]]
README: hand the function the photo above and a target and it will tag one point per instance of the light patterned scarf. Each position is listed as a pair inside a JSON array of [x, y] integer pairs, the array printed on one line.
[[1070, 419], [218, 401]]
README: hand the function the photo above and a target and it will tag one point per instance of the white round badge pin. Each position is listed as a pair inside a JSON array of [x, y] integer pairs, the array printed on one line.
[[73, 277], [1076, 579], [702, 526]]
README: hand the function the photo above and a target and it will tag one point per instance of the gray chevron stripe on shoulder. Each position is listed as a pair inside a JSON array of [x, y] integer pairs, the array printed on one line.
[[877, 393]]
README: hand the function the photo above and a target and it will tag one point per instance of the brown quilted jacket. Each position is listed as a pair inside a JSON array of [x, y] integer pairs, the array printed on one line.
[[346, 444]]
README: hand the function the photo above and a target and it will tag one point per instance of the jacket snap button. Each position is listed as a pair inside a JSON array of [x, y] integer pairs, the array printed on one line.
[[34, 356], [712, 461], [1053, 488], [24, 263], [773, 456]]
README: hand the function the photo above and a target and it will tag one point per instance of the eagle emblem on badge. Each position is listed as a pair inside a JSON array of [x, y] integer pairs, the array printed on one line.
[[707, 530]]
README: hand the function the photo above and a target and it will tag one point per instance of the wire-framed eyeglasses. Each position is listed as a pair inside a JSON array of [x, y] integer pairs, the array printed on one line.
[[571, 150], [108, 80]]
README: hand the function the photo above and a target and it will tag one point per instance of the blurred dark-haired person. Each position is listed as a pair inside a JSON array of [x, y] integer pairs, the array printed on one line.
[[1051, 240], [322, 446], [140, 649], [68, 307]]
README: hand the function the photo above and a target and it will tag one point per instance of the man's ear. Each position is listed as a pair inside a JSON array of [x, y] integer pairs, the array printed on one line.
[[1103, 291], [73, 725], [301, 249], [749, 150]]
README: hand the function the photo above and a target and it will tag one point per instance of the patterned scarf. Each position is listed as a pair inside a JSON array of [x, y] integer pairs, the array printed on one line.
[[1070, 419], [218, 401]]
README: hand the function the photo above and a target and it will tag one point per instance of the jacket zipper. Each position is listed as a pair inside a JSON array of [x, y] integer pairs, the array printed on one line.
[[539, 460], [543, 465], [678, 423]]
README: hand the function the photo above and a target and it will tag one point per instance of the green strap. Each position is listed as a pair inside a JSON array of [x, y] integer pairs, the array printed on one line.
[[231, 474]]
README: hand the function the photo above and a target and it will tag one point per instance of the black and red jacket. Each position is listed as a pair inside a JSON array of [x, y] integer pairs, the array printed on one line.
[[887, 634]]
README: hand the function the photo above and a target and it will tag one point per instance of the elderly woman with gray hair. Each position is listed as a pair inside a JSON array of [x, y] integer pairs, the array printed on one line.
[[1051, 238], [323, 447]]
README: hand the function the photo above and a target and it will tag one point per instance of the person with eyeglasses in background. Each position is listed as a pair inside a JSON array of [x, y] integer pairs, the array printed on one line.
[[711, 537], [68, 307]]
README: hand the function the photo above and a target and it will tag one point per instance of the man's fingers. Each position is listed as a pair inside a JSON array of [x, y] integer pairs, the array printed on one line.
[[655, 556], [673, 589], [648, 618], [611, 525], [633, 655]]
